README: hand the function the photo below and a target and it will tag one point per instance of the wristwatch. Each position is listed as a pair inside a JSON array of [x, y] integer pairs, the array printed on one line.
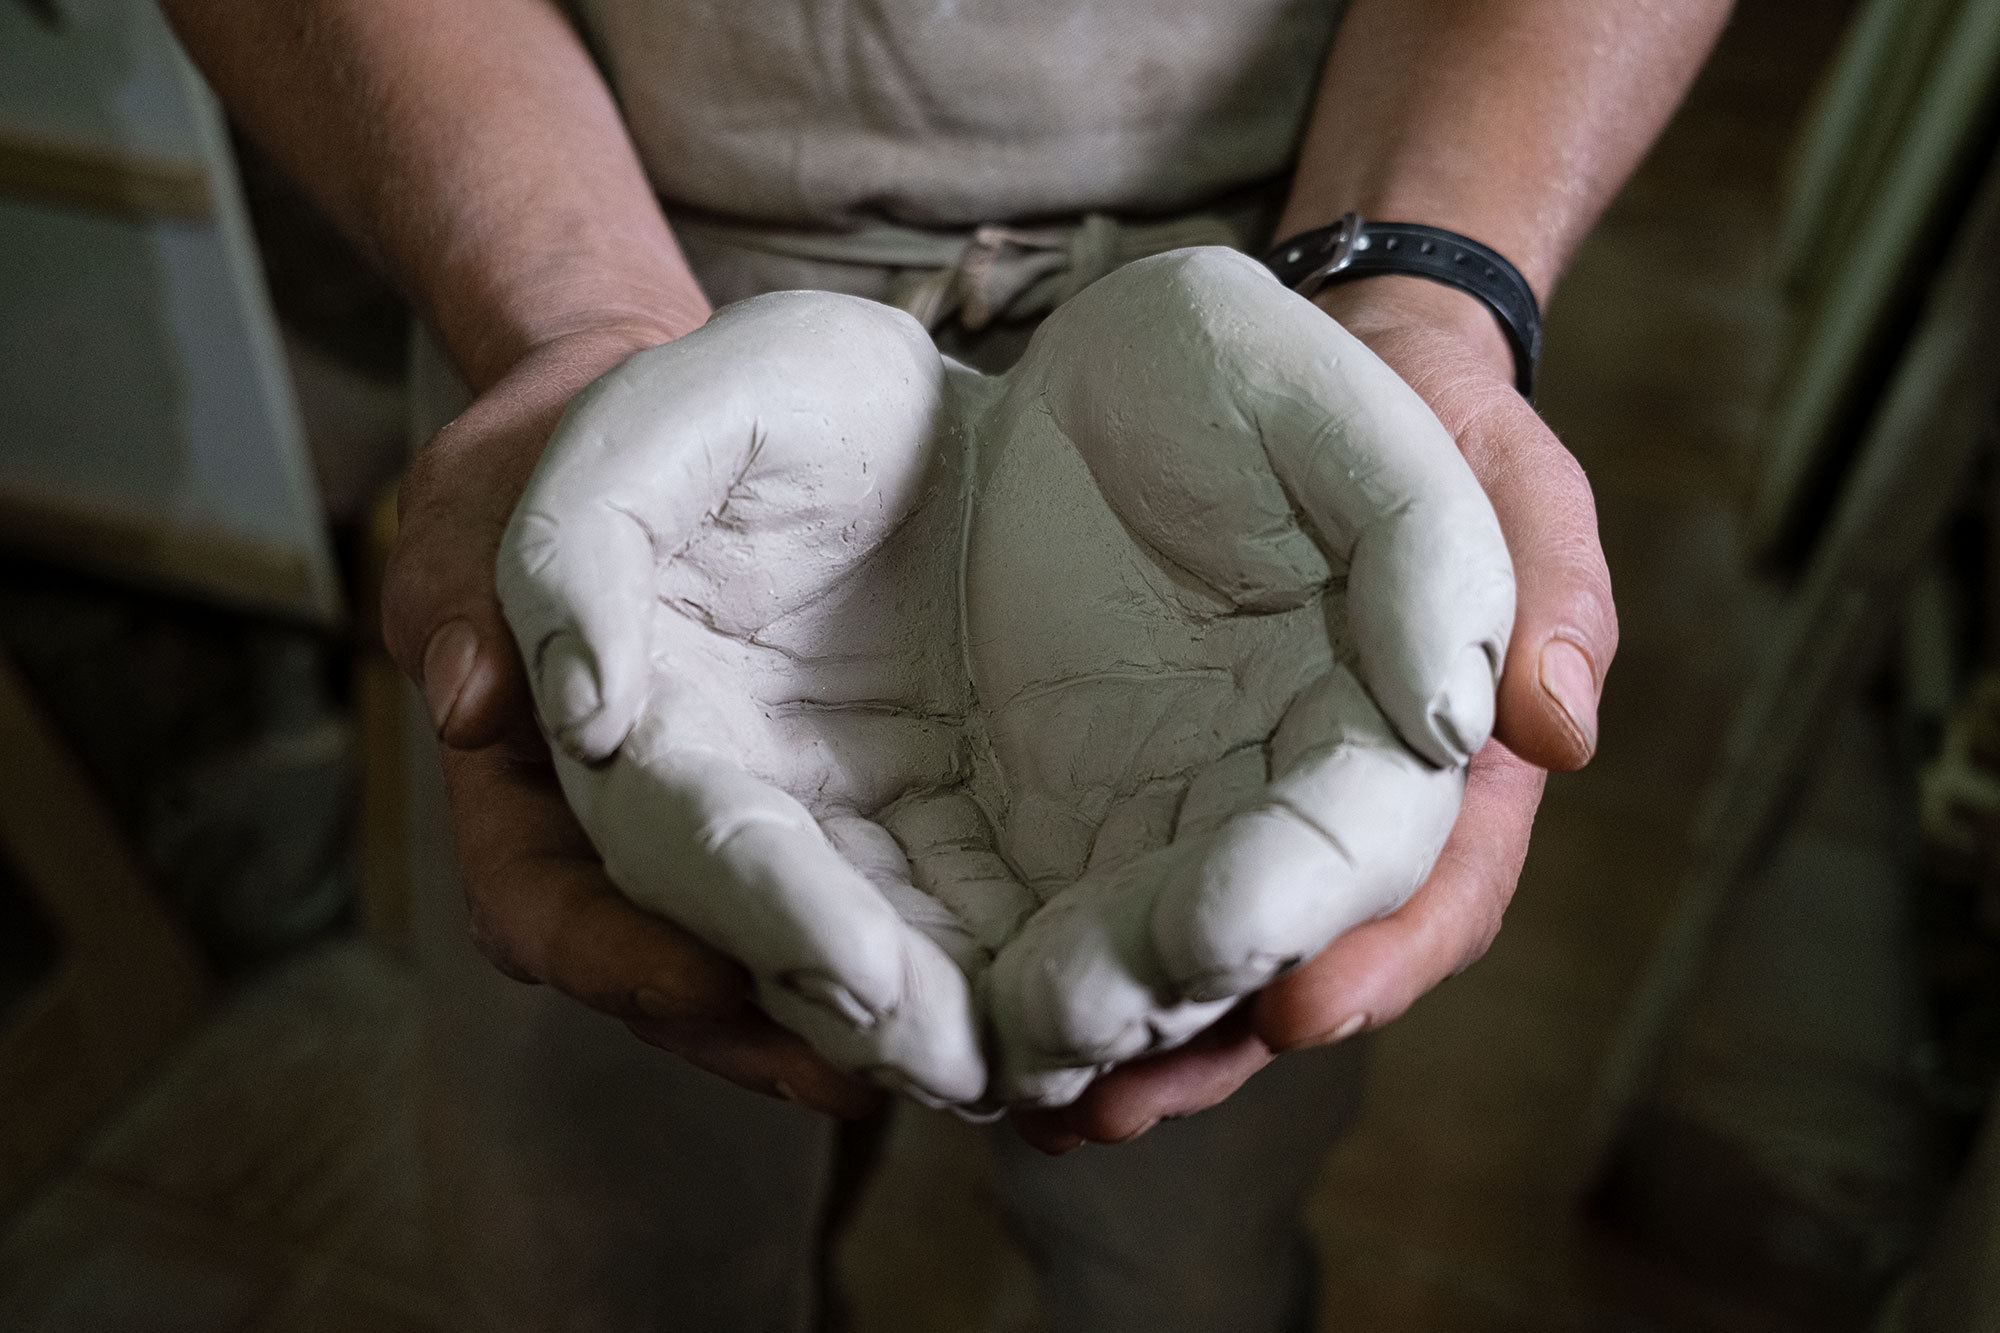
[[1352, 248]]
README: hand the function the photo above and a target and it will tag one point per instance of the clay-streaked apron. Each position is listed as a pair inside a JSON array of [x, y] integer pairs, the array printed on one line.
[[952, 114], [980, 292], [583, 1180]]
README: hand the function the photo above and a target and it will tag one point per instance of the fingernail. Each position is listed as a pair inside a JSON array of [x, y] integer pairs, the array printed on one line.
[[448, 661], [823, 990], [1341, 1031], [1568, 679], [569, 684], [1140, 1130], [1462, 713], [784, 1089]]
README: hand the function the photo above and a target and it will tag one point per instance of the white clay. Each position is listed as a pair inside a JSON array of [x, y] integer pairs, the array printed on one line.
[[1062, 707]]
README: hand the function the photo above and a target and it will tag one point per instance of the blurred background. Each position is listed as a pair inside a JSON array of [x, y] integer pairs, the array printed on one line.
[[1729, 1065]]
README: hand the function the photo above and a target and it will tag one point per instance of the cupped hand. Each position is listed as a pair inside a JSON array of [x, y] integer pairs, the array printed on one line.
[[762, 575], [540, 905], [1236, 607], [1564, 637], [734, 581]]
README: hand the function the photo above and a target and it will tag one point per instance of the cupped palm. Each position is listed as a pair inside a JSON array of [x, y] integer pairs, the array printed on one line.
[[1007, 728]]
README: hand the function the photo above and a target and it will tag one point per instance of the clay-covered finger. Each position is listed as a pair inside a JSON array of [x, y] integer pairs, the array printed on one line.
[[1430, 586], [1080, 990], [870, 849], [542, 910], [1259, 448], [693, 837], [1371, 974], [1344, 832], [760, 425], [949, 846], [577, 588]]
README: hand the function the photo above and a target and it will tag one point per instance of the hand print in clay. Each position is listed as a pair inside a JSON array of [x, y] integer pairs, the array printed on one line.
[[1008, 728]]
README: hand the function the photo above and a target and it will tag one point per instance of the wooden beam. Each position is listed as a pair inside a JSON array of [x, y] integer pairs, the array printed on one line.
[[1938, 415], [1879, 271], [127, 982], [144, 549], [105, 180]]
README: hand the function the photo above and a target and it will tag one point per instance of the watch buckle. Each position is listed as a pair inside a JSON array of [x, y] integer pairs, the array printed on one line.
[[1345, 240]]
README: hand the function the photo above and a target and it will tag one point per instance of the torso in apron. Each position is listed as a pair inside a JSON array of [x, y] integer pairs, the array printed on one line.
[[948, 113]]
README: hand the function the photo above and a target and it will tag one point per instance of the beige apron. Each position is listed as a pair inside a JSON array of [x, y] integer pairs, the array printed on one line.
[[981, 293], [952, 114], [991, 274], [891, 150]]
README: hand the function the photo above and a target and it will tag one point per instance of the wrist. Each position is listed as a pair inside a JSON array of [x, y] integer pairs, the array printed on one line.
[[541, 379], [490, 327], [1393, 310], [607, 336]]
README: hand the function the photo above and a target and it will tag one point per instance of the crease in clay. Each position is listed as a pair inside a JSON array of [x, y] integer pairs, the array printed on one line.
[[1165, 493]]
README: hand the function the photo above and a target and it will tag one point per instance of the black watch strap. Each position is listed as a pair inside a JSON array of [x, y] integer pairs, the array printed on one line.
[[1352, 248]]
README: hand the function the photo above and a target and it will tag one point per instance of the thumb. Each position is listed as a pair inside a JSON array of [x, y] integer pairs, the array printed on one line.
[[1565, 623], [1244, 420], [1565, 628], [441, 618]]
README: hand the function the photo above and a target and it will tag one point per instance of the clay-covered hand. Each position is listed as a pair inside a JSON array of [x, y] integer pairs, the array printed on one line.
[[1447, 346], [539, 904], [1171, 643], [733, 580], [1236, 609]]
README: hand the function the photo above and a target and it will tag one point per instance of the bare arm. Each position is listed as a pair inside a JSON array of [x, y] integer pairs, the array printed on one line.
[[1513, 122], [472, 149]]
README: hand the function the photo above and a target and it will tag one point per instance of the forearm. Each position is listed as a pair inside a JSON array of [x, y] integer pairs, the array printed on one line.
[[472, 150], [1511, 121]]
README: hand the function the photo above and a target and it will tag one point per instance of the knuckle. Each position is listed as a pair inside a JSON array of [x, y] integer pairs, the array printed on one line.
[[1562, 469], [1076, 1025], [1486, 929], [1480, 916], [423, 480]]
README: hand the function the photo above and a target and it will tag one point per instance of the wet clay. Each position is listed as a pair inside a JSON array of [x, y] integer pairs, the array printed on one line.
[[1010, 727]]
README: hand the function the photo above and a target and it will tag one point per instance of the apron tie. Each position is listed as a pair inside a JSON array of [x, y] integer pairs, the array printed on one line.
[[995, 273]]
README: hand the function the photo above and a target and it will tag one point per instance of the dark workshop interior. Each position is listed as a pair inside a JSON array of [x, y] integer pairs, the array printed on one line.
[[1729, 1064]]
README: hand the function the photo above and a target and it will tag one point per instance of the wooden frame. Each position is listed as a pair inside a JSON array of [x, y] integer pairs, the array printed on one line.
[[127, 982], [143, 550], [1940, 412], [85, 176], [158, 437], [1873, 252]]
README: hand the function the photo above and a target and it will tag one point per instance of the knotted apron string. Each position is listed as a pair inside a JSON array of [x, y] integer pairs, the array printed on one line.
[[992, 273]]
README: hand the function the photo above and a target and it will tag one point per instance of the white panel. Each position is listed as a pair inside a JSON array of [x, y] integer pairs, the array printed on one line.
[[141, 377]]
